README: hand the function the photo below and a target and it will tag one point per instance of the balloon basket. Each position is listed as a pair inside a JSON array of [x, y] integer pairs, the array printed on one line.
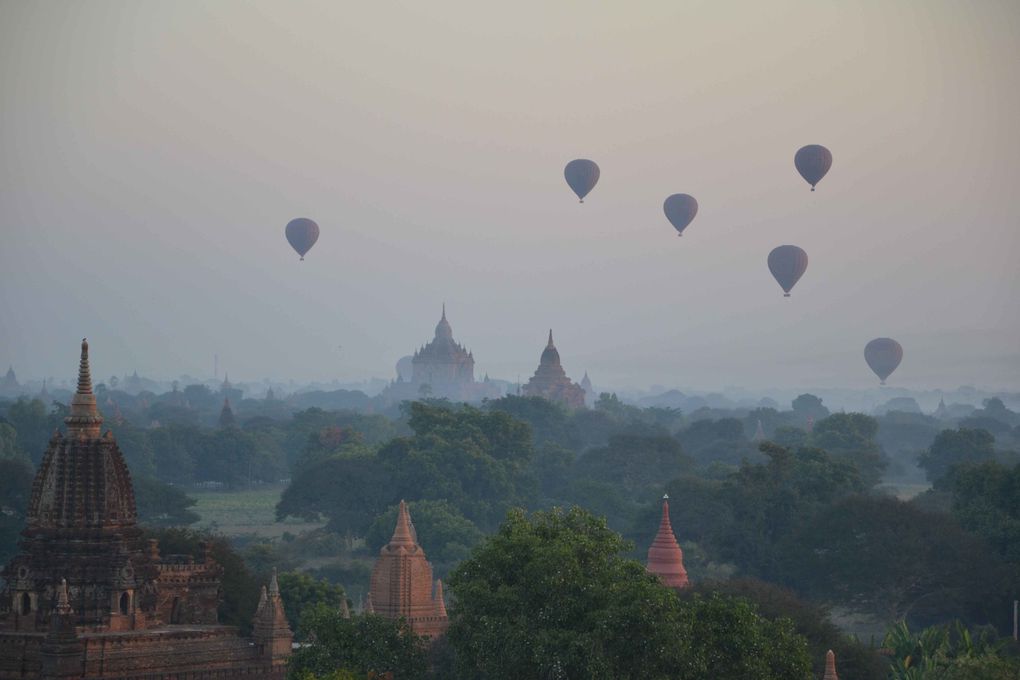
[[786, 295]]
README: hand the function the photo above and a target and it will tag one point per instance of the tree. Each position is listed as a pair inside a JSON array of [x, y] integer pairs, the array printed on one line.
[[638, 465], [15, 493], [361, 644], [851, 437], [550, 596], [887, 557], [160, 504], [34, 424], [809, 406], [9, 448], [300, 592], [955, 447], [717, 440], [986, 500], [856, 659]]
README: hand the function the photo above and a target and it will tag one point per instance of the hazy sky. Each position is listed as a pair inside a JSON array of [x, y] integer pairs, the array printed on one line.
[[152, 152]]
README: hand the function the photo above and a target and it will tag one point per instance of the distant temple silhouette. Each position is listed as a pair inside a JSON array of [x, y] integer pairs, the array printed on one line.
[[88, 597], [551, 382], [442, 369]]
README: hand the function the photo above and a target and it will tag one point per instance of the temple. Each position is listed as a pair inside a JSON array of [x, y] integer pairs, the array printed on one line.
[[402, 583], [88, 597], [9, 383], [551, 382], [665, 559], [830, 666], [442, 369]]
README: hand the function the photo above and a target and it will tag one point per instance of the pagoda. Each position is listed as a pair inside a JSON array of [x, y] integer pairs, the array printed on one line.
[[402, 585], [830, 666], [442, 369], [88, 597], [551, 382], [665, 559]]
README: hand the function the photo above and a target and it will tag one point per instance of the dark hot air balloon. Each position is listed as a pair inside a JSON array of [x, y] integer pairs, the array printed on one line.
[[883, 356], [680, 209], [302, 233], [582, 175], [812, 162], [787, 264]]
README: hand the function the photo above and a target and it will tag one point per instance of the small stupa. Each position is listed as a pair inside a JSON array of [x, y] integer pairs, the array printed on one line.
[[665, 559]]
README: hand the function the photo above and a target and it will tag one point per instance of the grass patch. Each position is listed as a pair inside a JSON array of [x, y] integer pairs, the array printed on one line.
[[240, 513]]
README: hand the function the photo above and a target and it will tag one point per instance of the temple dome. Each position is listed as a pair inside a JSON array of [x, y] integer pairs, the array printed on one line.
[[550, 355], [443, 329]]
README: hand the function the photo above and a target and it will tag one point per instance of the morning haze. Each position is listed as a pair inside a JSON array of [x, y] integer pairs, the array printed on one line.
[[151, 154]]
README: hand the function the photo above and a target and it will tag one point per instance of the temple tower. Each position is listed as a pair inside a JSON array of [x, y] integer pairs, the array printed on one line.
[[402, 583], [82, 526], [830, 666], [665, 559], [551, 382], [271, 632]]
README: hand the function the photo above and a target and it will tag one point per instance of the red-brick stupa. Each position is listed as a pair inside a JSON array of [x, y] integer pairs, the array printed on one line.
[[665, 559], [830, 666]]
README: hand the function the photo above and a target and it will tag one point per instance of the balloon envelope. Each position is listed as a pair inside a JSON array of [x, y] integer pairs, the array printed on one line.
[[680, 209], [302, 233], [582, 175], [812, 162], [883, 356], [787, 264]]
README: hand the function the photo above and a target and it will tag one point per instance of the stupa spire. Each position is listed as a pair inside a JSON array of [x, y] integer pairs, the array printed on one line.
[[84, 419], [550, 339], [403, 534], [665, 559], [440, 603], [830, 666]]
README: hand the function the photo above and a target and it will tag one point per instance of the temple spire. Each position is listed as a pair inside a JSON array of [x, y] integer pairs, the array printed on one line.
[[403, 534], [550, 339], [830, 666], [84, 419], [665, 559], [440, 603]]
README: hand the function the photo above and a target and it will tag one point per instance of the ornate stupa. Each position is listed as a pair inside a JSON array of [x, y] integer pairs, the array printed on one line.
[[87, 597], [665, 559], [402, 583], [551, 382]]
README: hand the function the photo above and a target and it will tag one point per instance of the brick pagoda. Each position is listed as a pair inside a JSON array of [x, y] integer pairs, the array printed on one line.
[[402, 582], [665, 559], [88, 597]]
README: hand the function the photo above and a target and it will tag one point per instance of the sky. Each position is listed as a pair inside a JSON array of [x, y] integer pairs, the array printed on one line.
[[151, 154]]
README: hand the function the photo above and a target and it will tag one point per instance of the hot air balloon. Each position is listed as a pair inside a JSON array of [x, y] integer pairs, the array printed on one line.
[[787, 264], [812, 162], [883, 356], [582, 175], [680, 209], [302, 233]]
